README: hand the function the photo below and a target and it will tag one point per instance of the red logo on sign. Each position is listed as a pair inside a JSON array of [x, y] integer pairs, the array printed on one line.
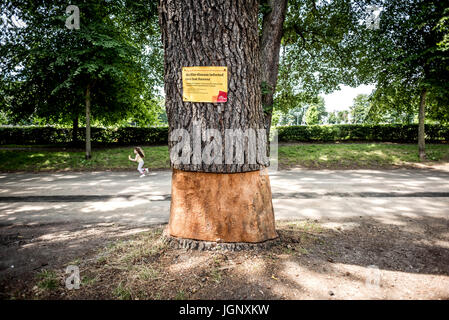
[[222, 96]]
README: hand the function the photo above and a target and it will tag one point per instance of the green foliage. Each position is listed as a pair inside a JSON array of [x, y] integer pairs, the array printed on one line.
[[406, 55], [326, 44], [312, 116], [356, 132], [319, 50], [100, 136], [315, 113], [276, 118], [343, 116], [443, 27], [311, 112], [159, 135], [293, 116], [47, 67], [366, 110], [332, 118], [4, 119], [360, 109], [338, 117]]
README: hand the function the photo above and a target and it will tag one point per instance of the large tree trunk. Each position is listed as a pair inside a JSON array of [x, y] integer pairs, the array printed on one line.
[[421, 132], [88, 142], [228, 199], [270, 45]]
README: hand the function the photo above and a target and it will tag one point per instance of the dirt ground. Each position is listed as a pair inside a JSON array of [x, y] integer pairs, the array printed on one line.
[[361, 258]]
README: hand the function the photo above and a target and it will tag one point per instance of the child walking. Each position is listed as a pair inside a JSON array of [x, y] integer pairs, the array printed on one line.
[[139, 159]]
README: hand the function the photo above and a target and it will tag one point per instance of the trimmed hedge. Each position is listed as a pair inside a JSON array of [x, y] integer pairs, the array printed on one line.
[[159, 135], [406, 133], [100, 136]]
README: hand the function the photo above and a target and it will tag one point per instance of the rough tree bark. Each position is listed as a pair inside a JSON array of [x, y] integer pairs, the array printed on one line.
[[421, 131], [270, 44], [219, 201], [217, 33]]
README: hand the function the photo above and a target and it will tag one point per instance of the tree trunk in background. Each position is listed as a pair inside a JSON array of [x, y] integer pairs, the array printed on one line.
[[421, 132], [218, 201], [75, 128], [88, 142], [270, 45]]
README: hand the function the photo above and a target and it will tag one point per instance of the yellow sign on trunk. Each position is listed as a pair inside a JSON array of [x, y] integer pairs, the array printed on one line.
[[205, 84]]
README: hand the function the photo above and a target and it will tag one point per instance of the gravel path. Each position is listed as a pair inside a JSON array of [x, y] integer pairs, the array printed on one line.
[[121, 197], [394, 219]]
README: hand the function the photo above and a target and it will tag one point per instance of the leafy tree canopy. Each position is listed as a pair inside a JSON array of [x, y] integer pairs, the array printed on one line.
[[407, 55], [46, 67]]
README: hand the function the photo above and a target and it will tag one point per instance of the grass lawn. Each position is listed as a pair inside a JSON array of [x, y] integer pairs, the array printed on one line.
[[356, 155], [157, 157]]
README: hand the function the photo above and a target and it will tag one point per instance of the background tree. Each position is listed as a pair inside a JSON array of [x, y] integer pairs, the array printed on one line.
[[405, 59], [332, 118], [312, 116], [360, 108], [62, 75], [316, 113], [326, 43], [343, 117], [320, 46], [291, 117]]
